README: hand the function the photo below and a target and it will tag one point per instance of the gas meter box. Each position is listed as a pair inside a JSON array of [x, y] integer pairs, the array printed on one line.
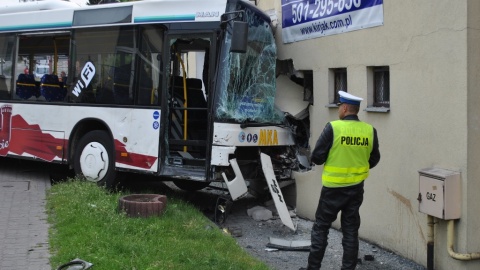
[[440, 194]]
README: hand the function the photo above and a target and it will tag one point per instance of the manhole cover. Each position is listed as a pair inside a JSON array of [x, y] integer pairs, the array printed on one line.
[[143, 205]]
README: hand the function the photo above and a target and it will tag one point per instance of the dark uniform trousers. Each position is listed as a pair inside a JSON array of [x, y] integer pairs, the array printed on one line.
[[332, 200]]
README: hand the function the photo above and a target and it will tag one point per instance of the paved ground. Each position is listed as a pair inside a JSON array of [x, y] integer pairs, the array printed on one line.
[[23, 221], [254, 236], [24, 227]]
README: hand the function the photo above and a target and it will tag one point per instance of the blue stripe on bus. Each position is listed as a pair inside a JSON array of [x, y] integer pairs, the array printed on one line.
[[36, 26], [169, 18]]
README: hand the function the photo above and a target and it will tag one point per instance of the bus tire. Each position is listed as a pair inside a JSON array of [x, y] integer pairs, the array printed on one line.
[[94, 158], [189, 185]]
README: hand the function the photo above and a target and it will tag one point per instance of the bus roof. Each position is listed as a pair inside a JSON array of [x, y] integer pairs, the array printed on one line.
[[57, 14]]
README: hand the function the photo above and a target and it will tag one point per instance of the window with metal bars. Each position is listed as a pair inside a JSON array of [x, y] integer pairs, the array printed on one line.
[[340, 77], [381, 87], [308, 86]]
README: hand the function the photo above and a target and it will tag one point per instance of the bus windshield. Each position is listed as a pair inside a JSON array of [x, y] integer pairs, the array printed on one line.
[[247, 80]]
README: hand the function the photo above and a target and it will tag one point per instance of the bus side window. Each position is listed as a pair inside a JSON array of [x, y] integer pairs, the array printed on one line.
[[150, 66], [121, 84], [145, 85], [6, 65], [111, 51], [4, 93]]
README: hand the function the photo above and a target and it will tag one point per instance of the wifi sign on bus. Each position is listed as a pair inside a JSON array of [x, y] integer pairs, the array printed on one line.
[[86, 76]]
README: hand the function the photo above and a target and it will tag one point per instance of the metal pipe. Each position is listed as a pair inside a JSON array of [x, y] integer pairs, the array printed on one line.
[[453, 254], [430, 242]]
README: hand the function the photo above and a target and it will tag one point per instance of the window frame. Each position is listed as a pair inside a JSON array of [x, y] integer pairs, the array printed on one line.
[[337, 75], [374, 105], [382, 73]]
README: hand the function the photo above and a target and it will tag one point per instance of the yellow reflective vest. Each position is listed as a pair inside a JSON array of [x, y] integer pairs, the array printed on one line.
[[347, 162]]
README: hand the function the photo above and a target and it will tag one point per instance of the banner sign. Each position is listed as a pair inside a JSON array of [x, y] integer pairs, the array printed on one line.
[[307, 19]]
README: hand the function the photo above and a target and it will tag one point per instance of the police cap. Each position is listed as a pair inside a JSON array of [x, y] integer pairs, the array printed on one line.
[[349, 98]]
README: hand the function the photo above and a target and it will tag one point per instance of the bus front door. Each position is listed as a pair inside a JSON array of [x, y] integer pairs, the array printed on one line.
[[187, 148]]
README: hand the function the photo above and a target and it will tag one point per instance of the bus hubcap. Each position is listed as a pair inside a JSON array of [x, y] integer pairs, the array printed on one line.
[[94, 161]]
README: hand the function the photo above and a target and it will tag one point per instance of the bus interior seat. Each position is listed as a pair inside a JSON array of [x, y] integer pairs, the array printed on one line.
[[195, 96], [26, 87], [197, 119], [177, 84], [197, 116], [51, 89], [196, 99]]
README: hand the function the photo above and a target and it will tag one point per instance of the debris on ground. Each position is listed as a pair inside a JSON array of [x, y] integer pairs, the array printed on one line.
[[291, 245], [76, 264], [259, 213]]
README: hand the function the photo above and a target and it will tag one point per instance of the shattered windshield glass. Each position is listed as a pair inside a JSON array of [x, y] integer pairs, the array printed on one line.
[[247, 80]]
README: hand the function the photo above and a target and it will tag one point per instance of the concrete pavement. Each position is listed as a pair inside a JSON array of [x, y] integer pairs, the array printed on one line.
[[24, 227], [23, 219]]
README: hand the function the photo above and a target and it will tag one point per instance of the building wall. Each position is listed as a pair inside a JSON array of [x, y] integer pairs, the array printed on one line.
[[431, 48], [468, 231]]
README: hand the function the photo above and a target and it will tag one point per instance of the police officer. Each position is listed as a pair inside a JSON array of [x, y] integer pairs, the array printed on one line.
[[349, 149]]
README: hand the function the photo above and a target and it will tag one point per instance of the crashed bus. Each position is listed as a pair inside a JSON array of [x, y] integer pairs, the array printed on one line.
[[183, 90]]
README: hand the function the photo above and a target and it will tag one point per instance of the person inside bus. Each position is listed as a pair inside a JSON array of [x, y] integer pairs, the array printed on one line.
[[63, 77]]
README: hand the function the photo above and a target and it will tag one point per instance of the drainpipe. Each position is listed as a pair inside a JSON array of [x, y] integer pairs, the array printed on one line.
[[453, 254], [430, 242]]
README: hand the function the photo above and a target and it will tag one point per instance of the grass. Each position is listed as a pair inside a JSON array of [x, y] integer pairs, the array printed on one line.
[[86, 224]]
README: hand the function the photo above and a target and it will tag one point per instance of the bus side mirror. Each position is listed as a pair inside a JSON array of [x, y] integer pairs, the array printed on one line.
[[239, 37]]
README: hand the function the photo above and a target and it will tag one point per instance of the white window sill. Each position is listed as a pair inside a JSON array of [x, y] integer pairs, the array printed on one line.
[[377, 109]]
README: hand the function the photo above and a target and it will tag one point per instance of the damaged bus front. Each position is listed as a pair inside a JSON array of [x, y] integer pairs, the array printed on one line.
[[241, 123], [247, 122]]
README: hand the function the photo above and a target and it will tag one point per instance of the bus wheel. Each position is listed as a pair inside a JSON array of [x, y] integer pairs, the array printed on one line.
[[94, 158], [189, 185]]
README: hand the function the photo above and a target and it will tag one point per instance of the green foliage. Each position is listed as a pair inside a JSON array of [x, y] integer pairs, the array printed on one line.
[[86, 224]]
